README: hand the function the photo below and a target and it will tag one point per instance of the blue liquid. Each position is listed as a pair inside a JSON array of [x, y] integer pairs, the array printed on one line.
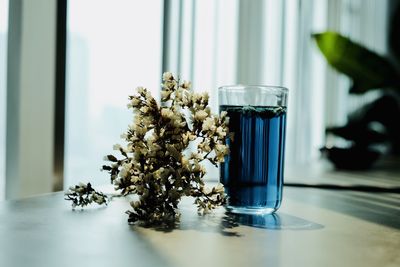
[[253, 171]]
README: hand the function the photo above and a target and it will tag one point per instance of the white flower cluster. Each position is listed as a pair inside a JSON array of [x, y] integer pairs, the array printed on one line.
[[84, 194], [156, 163]]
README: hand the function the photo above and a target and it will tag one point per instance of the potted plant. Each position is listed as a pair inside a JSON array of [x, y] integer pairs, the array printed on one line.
[[377, 123]]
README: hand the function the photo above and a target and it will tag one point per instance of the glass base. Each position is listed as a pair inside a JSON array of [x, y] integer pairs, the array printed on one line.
[[250, 210]]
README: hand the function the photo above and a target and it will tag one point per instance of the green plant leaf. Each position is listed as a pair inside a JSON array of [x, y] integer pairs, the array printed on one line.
[[367, 69]]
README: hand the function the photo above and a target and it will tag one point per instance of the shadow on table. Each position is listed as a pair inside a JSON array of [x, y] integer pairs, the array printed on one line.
[[227, 223], [379, 208], [277, 221]]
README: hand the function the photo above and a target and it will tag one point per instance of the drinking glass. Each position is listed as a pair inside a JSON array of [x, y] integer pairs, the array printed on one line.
[[253, 171]]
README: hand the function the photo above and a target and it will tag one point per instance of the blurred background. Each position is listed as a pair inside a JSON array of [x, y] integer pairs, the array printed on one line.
[[67, 67]]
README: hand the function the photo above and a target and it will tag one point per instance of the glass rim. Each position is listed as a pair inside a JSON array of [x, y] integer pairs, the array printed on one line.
[[238, 87]]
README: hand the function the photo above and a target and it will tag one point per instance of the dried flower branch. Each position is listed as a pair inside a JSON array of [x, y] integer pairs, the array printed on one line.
[[84, 194], [157, 164]]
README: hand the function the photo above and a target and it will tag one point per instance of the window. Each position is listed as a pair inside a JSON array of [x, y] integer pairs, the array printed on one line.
[[269, 42], [211, 43], [3, 80], [112, 47]]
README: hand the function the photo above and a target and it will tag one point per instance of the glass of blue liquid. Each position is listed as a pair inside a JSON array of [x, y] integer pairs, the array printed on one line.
[[253, 171]]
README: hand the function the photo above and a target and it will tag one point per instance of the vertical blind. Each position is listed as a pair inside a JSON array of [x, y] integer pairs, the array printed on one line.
[[269, 42], [3, 74]]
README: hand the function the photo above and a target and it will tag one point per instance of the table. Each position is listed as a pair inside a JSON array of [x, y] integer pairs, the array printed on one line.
[[314, 227]]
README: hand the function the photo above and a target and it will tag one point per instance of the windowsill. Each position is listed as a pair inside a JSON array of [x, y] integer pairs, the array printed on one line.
[[385, 173]]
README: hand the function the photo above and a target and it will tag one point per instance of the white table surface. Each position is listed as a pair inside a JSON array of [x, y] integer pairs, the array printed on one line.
[[314, 227]]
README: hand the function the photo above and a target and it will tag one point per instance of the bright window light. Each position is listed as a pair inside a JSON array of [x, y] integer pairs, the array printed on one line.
[[112, 47]]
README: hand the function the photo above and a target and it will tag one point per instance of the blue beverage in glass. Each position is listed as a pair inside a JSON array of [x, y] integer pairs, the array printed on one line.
[[253, 171]]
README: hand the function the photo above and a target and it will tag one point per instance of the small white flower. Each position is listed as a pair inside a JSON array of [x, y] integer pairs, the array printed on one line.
[[220, 152], [206, 190], [192, 137], [219, 188], [167, 113], [220, 131], [117, 147], [165, 94], [185, 163], [144, 109], [208, 124], [185, 138], [148, 96], [200, 115], [186, 85], [205, 146], [220, 148], [226, 120], [205, 96], [167, 76], [134, 179], [127, 166], [135, 204], [123, 173], [139, 130], [140, 89], [135, 102], [196, 97]]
